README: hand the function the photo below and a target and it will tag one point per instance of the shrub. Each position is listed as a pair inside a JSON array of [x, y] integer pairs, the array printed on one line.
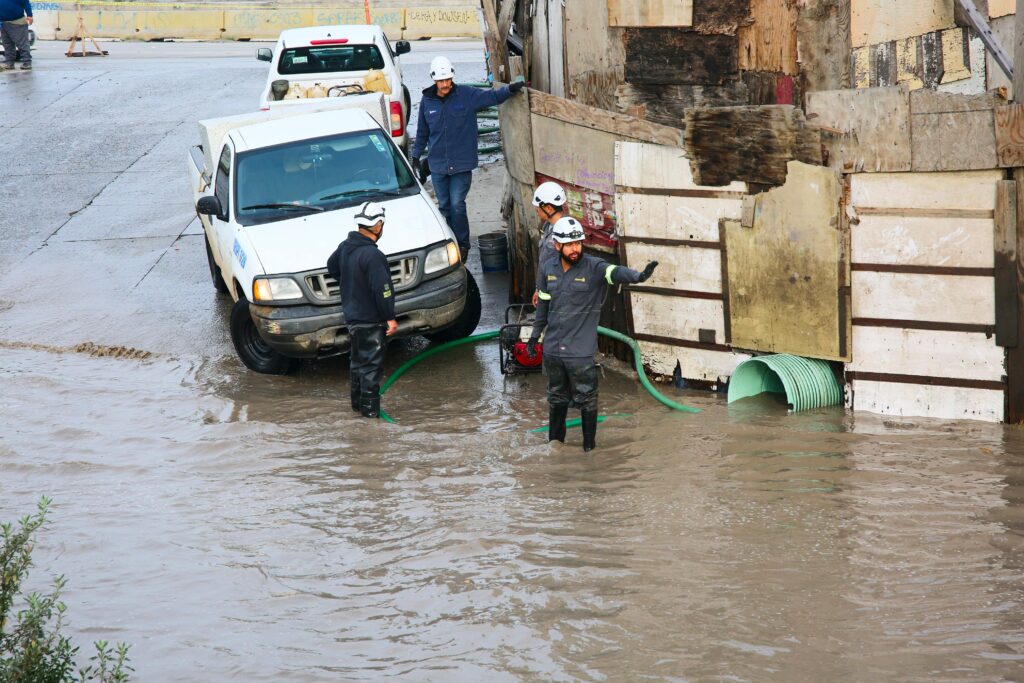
[[32, 649]]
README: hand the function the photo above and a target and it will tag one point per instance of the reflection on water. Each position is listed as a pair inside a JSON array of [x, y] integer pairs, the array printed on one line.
[[231, 525]]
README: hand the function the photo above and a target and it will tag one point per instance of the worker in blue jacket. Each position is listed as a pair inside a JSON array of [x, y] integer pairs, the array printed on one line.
[[367, 298], [447, 131], [15, 18]]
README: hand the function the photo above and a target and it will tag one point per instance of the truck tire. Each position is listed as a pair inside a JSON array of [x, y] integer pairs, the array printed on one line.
[[255, 353], [467, 321], [215, 275]]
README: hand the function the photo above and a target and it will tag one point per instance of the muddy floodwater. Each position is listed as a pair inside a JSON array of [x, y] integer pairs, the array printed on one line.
[[239, 527]]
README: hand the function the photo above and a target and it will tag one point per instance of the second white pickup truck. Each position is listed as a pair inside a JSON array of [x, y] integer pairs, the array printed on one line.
[[275, 198]]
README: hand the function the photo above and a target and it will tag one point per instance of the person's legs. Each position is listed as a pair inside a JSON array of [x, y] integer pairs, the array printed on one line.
[[584, 377], [558, 398], [459, 220], [373, 347], [442, 188], [22, 44], [10, 49], [357, 364]]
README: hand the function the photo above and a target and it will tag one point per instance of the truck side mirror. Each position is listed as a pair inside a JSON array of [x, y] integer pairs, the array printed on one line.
[[265, 54], [402, 46], [209, 206]]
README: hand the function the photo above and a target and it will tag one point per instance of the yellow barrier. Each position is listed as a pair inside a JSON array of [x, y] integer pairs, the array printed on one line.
[[198, 21]]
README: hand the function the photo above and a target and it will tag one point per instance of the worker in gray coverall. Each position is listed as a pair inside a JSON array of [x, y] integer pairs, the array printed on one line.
[[570, 298], [549, 201]]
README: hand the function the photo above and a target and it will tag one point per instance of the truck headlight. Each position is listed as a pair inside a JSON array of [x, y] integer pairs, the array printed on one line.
[[275, 289], [442, 257]]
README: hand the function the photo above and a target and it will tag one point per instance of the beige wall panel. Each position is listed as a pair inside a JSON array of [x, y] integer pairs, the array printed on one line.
[[193, 24], [928, 353], [917, 400], [641, 164], [869, 127], [686, 268], [648, 12], [576, 154], [695, 364], [971, 81], [972, 190], [906, 240], [517, 137], [100, 23], [928, 298], [1000, 8], [1004, 30], [677, 317], [678, 218], [434, 22], [879, 21]]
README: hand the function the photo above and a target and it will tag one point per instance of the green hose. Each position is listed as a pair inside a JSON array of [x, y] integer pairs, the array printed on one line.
[[404, 367]]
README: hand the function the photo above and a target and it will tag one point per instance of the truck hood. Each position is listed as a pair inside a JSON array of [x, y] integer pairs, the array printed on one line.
[[300, 244]]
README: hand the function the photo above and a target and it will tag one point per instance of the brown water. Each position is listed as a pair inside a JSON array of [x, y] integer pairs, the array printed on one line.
[[233, 526]]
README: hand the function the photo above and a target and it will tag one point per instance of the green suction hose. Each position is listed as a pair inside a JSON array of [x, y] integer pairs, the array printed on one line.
[[404, 367]]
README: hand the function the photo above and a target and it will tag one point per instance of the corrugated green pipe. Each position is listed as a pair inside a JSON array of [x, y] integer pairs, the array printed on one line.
[[807, 383]]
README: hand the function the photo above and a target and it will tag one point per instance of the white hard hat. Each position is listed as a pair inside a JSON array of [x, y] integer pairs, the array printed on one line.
[[441, 68], [370, 213], [567, 230], [549, 193]]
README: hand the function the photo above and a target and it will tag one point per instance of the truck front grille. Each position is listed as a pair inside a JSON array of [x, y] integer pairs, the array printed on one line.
[[403, 274]]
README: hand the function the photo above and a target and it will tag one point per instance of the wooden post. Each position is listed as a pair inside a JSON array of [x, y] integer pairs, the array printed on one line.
[[1015, 355], [1007, 310], [495, 42]]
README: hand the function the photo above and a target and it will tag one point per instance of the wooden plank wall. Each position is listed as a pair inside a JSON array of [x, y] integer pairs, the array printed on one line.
[[879, 21], [678, 315], [950, 60], [594, 55], [923, 295], [650, 12]]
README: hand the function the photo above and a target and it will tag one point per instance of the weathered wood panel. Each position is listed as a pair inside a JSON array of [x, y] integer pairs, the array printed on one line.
[[879, 21], [650, 12], [679, 218], [918, 241], [659, 167], [517, 137], [1003, 30], [696, 364], [576, 154], [679, 268], [1005, 258], [1009, 123], [768, 87], [967, 190], [676, 317], [947, 57], [939, 298], [540, 48], [823, 32], [917, 400], [929, 353], [660, 56], [865, 130], [598, 119], [667, 104], [594, 54], [749, 144], [783, 273], [768, 43], [721, 16], [941, 123]]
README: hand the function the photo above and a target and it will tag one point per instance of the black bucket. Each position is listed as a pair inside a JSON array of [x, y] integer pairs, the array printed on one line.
[[493, 252]]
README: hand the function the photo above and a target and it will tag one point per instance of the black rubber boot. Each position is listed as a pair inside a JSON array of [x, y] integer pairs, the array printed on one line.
[[589, 430], [556, 423], [369, 405], [354, 391]]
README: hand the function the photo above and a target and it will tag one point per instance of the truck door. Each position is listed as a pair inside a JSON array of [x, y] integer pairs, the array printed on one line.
[[222, 224]]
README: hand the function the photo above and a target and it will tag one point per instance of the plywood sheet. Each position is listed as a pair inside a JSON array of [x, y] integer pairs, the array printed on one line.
[[650, 12], [665, 56], [680, 268], [879, 21], [864, 130], [676, 317], [1009, 124], [594, 54], [967, 190], [927, 298], [517, 137], [927, 353], [768, 43], [918, 400], [556, 55], [659, 167], [783, 272], [695, 364], [940, 123], [921, 241], [581, 156], [720, 16], [823, 31], [1004, 31], [679, 218]]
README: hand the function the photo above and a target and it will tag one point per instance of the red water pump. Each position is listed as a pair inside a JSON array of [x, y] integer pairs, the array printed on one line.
[[512, 338]]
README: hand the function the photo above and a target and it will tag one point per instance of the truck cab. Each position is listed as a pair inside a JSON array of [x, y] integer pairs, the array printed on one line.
[[275, 199], [308, 64]]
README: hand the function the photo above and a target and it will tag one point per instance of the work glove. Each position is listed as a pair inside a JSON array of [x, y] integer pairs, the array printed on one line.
[[531, 348], [518, 85], [648, 270], [421, 169]]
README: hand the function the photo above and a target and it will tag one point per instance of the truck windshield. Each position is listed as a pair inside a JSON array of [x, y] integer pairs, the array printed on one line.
[[277, 183], [328, 58]]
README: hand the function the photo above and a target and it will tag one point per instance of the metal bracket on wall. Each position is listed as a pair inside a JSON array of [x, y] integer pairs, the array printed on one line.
[[973, 16]]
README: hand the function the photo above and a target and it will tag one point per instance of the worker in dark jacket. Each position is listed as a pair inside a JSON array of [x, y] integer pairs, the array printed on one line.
[[571, 295], [549, 201], [368, 300], [447, 130], [15, 18]]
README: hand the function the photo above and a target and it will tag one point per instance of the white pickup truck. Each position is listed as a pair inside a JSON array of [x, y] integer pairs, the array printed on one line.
[[335, 61], [277, 192]]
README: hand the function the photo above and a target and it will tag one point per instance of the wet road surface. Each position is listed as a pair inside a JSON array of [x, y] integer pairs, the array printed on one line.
[[233, 526]]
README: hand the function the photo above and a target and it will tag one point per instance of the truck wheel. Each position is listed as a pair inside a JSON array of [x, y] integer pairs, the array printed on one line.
[[255, 353], [218, 279], [467, 321]]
